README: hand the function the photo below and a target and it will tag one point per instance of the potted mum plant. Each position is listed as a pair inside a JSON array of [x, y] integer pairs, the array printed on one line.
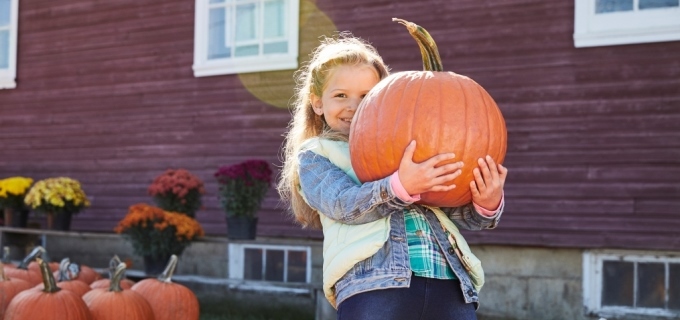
[[156, 234], [177, 190], [242, 187], [12, 193], [59, 198]]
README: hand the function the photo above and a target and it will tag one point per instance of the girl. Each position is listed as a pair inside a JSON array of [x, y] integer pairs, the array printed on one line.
[[385, 257]]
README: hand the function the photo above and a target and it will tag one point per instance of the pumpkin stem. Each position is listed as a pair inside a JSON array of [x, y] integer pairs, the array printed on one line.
[[428, 48], [63, 268], [113, 265], [47, 277], [117, 276], [5, 254], [36, 253], [169, 270], [3, 277]]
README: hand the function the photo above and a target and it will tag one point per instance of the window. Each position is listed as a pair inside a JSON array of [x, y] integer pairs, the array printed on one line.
[[9, 10], [268, 265], [613, 22], [239, 36], [616, 283]]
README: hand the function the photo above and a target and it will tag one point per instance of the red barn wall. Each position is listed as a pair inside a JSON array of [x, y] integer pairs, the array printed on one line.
[[106, 95]]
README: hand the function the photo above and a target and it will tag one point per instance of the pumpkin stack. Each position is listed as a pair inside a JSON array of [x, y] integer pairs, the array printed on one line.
[[443, 111]]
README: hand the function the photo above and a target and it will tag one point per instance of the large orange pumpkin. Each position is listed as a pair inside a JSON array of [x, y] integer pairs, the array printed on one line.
[[8, 289], [114, 303], [169, 300], [50, 303], [443, 111]]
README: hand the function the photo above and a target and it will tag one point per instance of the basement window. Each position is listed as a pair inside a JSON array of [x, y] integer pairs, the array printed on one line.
[[615, 22], [271, 267], [628, 283]]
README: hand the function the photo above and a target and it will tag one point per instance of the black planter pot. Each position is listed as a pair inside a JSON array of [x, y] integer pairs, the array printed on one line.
[[16, 218], [154, 265], [60, 221], [241, 228]]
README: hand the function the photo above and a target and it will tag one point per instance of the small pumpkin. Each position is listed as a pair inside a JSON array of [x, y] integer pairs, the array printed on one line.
[[50, 303], [105, 283], [5, 258], [8, 289], [114, 303], [169, 300], [22, 271], [66, 278], [443, 111]]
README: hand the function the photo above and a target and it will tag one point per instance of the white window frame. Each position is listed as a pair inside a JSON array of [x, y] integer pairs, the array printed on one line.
[[270, 62], [8, 76], [237, 260], [626, 27], [592, 281]]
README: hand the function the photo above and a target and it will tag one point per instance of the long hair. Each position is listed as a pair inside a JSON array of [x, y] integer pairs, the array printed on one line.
[[311, 78]]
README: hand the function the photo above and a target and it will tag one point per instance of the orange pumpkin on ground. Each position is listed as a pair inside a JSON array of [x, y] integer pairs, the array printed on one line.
[[106, 283], [169, 300], [22, 271], [443, 111], [50, 303], [114, 303], [65, 278], [8, 289]]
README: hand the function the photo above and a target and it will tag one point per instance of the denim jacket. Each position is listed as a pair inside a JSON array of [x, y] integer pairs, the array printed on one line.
[[329, 190]]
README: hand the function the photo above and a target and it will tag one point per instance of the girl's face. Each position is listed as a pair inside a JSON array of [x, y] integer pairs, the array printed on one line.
[[347, 85]]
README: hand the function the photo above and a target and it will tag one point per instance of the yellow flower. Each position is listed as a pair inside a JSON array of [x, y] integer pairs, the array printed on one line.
[[57, 194], [14, 186]]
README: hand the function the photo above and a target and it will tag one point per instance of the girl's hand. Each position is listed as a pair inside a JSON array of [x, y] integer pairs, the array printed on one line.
[[423, 177], [487, 188]]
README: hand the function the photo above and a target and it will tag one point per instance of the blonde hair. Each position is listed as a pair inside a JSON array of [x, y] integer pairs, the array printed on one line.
[[311, 78]]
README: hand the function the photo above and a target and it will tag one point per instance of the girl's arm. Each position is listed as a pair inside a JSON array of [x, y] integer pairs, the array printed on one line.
[[329, 190]]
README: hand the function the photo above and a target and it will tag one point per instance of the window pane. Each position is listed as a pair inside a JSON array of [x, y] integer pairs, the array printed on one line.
[[674, 286], [217, 34], [604, 6], [651, 291], [216, 1], [274, 269], [246, 18], [276, 47], [651, 4], [4, 49], [252, 264], [297, 266], [244, 51], [5, 7], [274, 21], [617, 283]]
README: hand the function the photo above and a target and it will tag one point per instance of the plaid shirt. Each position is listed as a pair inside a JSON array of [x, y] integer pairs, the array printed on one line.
[[427, 259]]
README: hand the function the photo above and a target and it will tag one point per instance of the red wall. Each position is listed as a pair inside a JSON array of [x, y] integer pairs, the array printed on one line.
[[106, 95]]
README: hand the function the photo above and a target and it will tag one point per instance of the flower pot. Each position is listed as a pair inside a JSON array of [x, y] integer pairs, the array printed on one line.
[[241, 228], [61, 221], [15, 218], [154, 265]]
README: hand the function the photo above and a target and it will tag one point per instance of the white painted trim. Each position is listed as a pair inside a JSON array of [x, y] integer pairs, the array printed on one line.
[[8, 76], [617, 28], [592, 281], [271, 62]]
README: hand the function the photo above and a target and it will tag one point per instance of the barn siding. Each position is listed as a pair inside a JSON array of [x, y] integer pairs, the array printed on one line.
[[106, 95]]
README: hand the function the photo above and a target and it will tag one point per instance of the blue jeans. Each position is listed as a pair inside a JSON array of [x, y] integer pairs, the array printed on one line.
[[426, 298]]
